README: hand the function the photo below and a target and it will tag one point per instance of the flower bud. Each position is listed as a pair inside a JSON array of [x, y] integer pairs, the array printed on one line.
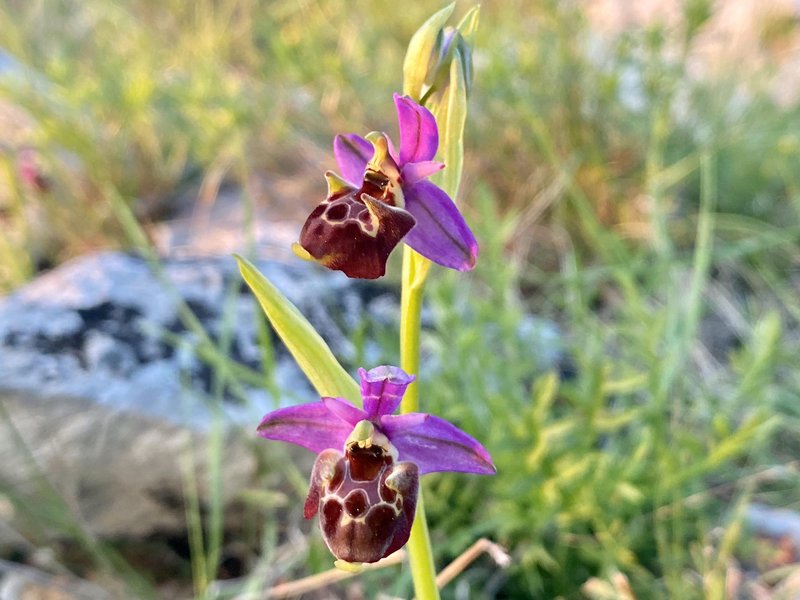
[[454, 47], [422, 51]]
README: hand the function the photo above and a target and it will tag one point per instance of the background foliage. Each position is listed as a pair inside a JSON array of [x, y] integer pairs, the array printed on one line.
[[624, 183]]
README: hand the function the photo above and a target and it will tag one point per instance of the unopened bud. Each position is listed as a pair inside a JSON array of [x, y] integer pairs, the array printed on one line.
[[422, 51]]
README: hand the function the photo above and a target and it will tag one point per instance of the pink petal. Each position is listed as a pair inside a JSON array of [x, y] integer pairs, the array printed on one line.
[[344, 410], [392, 151], [413, 172]]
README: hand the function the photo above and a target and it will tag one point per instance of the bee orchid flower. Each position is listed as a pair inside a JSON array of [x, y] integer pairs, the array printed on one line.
[[382, 197], [365, 480]]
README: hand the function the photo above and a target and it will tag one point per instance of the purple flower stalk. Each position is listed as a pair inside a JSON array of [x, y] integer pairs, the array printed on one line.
[[382, 197], [365, 480]]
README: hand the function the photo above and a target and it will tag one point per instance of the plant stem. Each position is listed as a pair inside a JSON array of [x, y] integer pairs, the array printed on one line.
[[420, 555]]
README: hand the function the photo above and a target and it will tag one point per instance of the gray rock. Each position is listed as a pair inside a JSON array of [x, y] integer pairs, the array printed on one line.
[[103, 382], [119, 473], [18, 582], [775, 523], [103, 352], [104, 328]]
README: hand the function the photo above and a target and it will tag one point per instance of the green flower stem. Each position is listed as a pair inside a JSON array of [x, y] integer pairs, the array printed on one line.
[[450, 111], [420, 555]]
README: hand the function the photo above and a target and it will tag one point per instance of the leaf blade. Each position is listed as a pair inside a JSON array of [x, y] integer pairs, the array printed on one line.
[[451, 114], [309, 350]]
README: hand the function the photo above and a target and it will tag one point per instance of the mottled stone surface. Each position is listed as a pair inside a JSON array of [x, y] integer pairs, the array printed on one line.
[[104, 328], [101, 378]]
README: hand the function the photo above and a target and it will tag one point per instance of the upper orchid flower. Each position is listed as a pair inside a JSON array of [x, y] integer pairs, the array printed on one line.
[[383, 197], [366, 497]]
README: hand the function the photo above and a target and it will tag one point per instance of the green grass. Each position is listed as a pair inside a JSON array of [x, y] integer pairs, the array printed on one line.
[[644, 223]]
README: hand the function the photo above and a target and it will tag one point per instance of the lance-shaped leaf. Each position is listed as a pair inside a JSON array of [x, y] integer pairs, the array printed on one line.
[[451, 114], [312, 354]]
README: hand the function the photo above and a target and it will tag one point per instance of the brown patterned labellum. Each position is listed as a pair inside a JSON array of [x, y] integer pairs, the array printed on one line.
[[366, 502], [355, 230]]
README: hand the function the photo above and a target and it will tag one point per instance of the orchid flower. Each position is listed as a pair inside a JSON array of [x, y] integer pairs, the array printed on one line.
[[365, 480], [382, 197]]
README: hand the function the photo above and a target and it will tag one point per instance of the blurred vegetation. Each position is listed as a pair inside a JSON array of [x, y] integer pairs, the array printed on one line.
[[643, 201]]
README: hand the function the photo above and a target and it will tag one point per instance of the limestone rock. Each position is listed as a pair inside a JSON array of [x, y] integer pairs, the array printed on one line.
[[18, 582], [102, 380]]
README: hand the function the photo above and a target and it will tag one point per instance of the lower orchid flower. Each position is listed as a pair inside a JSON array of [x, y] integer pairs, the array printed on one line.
[[365, 480], [383, 197]]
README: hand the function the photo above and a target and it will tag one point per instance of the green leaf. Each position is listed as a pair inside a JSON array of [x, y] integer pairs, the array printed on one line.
[[419, 55], [308, 348], [451, 114]]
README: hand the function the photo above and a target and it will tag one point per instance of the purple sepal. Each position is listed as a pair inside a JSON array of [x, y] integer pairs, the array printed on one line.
[[419, 136], [312, 426], [382, 389], [435, 444], [441, 234], [352, 154]]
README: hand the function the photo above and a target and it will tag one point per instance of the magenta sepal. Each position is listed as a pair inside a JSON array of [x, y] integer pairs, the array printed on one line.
[[435, 444], [441, 234], [352, 153], [311, 426], [430, 442]]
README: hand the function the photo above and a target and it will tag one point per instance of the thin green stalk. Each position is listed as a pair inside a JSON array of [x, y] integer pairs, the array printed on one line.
[[420, 555], [262, 327], [194, 523], [450, 112], [137, 237], [215, 519]]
